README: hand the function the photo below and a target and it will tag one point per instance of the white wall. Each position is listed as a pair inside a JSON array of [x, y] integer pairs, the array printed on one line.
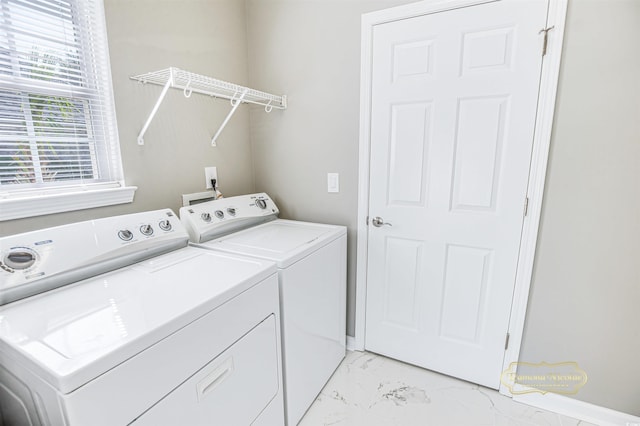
[[204, 36], [310, 50]]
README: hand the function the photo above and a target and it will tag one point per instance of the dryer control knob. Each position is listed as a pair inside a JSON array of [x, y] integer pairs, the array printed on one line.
[[206, 217], [231, 211], [146, 230], [262, 204], [165, 225], [219, 214], [125, 235]]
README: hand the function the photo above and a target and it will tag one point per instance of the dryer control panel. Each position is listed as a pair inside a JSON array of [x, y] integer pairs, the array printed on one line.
[[34, 262], [213, 219]]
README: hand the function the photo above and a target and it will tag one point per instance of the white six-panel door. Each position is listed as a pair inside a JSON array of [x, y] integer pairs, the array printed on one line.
[[453, 109]]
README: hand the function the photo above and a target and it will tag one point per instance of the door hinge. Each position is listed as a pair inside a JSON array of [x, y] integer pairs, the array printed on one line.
[[526, 206], [506, 342], [546, 39]]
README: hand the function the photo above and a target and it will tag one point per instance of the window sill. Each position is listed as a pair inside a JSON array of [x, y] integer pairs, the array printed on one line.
[[42, 204]]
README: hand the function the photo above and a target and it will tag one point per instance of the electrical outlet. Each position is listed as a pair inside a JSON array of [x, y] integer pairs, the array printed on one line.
[[211, 173]]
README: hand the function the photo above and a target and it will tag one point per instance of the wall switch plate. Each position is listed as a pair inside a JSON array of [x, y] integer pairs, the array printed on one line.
[[211, 173], [333, 182]]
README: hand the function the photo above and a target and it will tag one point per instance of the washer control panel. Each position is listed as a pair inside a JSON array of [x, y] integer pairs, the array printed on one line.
[[32, 256], [213, 219]]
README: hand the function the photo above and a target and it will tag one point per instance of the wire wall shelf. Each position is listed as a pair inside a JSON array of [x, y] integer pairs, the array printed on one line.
[[189, 83]]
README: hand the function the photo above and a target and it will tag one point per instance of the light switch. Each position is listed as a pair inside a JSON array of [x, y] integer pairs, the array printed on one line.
[[333, 182]]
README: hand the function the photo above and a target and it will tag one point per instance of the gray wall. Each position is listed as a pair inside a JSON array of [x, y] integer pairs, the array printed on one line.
[[585, 297], [310, 50], [204, 36]]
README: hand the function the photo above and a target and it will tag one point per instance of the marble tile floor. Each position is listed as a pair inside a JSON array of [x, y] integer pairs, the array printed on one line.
[[371, 390]]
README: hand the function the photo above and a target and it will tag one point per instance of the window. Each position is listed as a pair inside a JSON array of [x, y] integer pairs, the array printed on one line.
[[59, 145]]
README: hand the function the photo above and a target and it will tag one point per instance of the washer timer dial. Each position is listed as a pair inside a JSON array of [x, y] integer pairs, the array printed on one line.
[[20, 258]]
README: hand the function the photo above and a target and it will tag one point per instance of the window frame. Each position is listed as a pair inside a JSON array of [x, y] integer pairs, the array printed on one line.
[[42, 198]]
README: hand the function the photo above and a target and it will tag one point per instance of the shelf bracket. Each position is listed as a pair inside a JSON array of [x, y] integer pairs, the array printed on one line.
[[236, 103], [190, 83], [166, 87]]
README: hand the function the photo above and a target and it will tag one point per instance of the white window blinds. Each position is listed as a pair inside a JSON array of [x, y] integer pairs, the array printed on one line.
[[57, 118]]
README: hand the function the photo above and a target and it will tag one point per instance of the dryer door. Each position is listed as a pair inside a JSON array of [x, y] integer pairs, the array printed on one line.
[[233, 389]]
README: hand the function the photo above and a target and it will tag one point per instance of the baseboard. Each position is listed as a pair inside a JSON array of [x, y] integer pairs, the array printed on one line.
[[577, 409], [351, 344]]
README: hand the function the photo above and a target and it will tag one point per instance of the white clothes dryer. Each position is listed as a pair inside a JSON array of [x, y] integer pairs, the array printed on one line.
[[311, 261], [117, 321]]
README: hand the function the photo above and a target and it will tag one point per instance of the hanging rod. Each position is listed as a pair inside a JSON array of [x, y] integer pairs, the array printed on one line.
[[190, 82]]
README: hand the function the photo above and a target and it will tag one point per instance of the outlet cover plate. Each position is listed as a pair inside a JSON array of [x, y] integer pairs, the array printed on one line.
[[210, 173]]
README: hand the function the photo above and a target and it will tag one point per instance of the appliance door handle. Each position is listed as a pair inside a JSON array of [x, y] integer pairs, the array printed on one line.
[[214, 379]]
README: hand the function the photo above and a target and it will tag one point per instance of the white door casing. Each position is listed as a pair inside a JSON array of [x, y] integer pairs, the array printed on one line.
[[453, 101]]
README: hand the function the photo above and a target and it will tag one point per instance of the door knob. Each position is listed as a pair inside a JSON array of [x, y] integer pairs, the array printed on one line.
[[378, 222]]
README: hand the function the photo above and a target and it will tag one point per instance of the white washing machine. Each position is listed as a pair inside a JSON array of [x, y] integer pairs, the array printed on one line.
[[170, 335], [311, 260]]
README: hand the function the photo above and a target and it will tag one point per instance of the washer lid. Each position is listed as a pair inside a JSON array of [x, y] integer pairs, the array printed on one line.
[[73, 334], [282, 241]]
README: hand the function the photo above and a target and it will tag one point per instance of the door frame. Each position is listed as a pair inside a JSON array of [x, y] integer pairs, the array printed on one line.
[[537, 173]]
